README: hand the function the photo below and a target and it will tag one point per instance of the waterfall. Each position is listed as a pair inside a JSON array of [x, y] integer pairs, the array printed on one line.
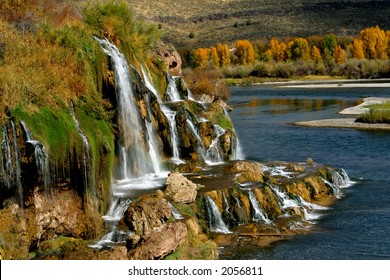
[[175, 212], [174, 135], [340, 178], [134, 160], [154, 153], [148, 83], [201, 148], [215, 219], [213, 153], [9, 173], [259, 214], [89, 179], [310, 210], [172, 91], [41, 158], [18, 171]]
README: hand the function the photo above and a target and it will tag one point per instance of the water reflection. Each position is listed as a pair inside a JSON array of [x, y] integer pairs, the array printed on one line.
[[276, 106]]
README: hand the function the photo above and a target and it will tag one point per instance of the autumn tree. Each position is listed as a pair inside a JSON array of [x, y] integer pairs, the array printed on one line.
[[316, 54], [203, 55], [357, 50], [299, 49], [244, 52], [214, 57], [277, 50], [375, 43], [339, 55], [223, 54]]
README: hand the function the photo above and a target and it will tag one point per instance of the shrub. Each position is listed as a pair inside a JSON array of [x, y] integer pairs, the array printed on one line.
[[206, 82]]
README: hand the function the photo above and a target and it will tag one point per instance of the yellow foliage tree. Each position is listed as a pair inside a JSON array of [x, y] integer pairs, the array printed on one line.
[[316, 54], [277, 50], [215, 58], [357, 50], [223, 54], [339, 55], [244, 52], [375, 43]]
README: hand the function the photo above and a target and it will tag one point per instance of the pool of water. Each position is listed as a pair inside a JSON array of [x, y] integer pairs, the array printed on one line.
[[358, 226]]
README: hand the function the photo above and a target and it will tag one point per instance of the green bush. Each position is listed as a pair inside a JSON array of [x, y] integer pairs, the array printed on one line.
[[115, 21]]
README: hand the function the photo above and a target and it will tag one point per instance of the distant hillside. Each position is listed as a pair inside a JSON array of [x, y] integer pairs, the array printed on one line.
[[228, 20]]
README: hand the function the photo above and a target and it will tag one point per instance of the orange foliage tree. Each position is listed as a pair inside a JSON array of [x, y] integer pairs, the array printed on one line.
[[339, 55], [244, 52], [375, 43], [202, 57], [316, 54], [277, 50]]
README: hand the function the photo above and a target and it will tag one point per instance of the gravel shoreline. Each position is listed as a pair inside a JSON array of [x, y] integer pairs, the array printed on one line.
[[350, 122], [343, 123]]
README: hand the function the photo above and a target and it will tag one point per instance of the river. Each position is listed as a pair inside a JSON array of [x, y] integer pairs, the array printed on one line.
[[358, 225]]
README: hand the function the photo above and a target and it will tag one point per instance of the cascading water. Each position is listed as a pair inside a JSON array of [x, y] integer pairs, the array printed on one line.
[[213, 153], [174, 135], [149, 84], [89, 179], [9, 172], [41, 158], [259, 215], [215, 219], [175, 212], [18, 171], [135, 161], [172, 91]]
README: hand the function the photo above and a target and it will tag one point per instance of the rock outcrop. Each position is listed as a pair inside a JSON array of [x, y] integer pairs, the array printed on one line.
[[171, 57], [147, 214], [180, 189]]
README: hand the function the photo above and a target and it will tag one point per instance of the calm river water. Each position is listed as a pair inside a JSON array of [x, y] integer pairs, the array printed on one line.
[[358, 226]]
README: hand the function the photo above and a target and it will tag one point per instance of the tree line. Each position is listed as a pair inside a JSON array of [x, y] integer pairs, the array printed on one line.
[[363, 56]]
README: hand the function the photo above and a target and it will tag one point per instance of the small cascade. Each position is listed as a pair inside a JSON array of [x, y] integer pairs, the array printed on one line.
[[238, 152], [226, 205], [174, 135], [309, 210], [148, 83], [172, 91], [41, 158], [154, 153], [175, 212], [239, 206], [340, 178], [201, 148], [18, 171], [113, 236], [9, 172], [259, 215], [213, 153], [215, 219], [285, 201]]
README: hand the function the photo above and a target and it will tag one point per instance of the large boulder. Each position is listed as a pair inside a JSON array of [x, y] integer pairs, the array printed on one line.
[[160, 242], [147, 213], [180, 189]]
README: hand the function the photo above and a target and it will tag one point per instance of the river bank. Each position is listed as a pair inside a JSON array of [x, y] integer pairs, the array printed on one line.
[[351, 122]]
